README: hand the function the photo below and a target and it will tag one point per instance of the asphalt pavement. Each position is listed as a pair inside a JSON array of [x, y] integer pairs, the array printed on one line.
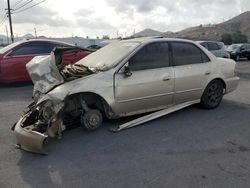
[[189, 148]]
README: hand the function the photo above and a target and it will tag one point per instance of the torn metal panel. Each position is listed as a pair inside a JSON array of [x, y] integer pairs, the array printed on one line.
[[44, 74], [47, 72], [152, 116]]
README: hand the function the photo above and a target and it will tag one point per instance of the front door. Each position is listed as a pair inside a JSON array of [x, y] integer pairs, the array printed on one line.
[[13, 68], [151, 85]]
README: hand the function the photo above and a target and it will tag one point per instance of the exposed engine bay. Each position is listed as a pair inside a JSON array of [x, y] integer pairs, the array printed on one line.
[[51, 119]]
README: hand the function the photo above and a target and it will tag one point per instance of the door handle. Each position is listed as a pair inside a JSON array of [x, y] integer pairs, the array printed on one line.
[[166, 78], [207, 72]]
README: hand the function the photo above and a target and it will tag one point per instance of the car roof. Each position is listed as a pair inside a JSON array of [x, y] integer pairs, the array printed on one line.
[[156, 38], [47, 40], [201, 41], [20, 42]]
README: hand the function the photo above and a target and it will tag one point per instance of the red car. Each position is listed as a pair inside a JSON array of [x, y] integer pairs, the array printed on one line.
[[14, 57]]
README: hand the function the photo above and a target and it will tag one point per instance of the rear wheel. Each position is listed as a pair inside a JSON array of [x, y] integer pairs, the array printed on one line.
[[212, 95], [92, 119]]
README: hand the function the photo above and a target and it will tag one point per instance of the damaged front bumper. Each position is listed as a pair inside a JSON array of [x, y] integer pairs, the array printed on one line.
[[40, 123], [29, 139]]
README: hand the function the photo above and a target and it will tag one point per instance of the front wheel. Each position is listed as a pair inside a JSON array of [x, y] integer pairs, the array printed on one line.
[[212, 95], [92, 119]]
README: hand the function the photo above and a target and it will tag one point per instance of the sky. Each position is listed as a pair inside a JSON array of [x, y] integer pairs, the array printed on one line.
[[92, 18]]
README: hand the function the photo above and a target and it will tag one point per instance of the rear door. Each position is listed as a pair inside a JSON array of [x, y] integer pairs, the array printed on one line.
[[13, 65], [191, 69], [151, 84]]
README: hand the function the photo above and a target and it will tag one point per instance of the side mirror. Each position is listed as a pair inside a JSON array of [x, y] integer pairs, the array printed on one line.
[[127, 71]]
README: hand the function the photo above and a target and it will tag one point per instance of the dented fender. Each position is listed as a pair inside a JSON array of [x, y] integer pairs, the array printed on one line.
[[100, 83]]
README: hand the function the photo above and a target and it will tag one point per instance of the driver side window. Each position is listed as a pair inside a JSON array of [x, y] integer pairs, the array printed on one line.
[[151, 56], [33, 48]]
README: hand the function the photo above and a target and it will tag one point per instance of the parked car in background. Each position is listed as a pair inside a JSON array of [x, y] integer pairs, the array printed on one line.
[[217, 48], [94, 46], [14, 57], [124, 78], [238, 51]]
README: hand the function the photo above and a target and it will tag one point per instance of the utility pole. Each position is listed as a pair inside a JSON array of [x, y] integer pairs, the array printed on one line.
[[9, 15], [35, 33], [7, 34]]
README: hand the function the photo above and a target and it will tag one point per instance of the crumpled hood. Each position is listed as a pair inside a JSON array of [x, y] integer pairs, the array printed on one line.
[[44, 74]]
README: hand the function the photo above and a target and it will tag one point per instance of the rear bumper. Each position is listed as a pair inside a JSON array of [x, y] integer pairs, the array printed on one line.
[[232, 84], [28, 139]]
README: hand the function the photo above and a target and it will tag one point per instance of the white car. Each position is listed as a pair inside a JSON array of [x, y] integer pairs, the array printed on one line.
[[122, 79], [216, 48]]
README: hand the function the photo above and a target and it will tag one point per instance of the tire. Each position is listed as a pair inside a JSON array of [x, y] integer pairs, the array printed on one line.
[[248, 58], [212, 95], [91, 120]]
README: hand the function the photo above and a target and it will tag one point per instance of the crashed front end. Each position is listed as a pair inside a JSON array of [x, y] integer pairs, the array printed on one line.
[[37, 125], [46, 116]]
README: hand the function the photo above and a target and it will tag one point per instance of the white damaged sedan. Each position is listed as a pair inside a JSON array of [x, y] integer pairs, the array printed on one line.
[[123, 78]]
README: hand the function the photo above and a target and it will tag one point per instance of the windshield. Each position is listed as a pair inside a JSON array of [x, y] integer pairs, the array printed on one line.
[[7, 48], [233, 47], [108, 56]]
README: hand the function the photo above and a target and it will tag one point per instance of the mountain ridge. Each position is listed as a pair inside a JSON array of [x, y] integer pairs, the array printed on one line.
[[213, 32]]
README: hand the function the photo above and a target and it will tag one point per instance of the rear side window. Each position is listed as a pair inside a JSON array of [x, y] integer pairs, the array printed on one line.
[[33, 48], [155, 55], [187, 53], [212, 46]]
